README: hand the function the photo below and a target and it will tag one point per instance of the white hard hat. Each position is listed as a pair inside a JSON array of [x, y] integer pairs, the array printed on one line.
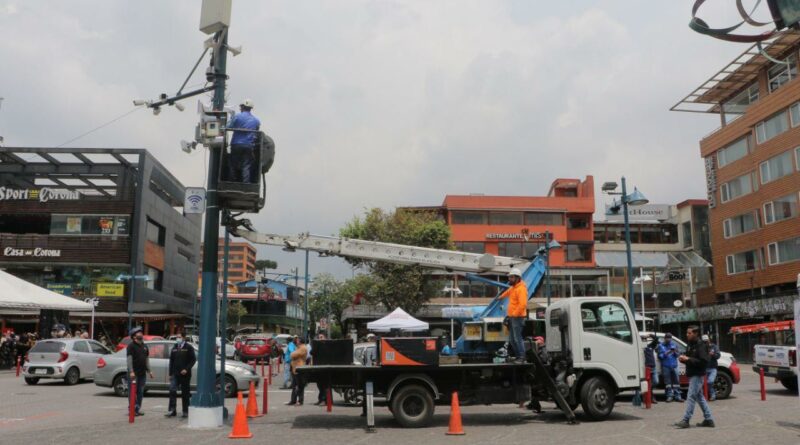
[[705, 337], [515, 273], [247, 103]]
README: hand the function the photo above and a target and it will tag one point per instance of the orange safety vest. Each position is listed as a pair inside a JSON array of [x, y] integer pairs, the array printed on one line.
[[517, 300]]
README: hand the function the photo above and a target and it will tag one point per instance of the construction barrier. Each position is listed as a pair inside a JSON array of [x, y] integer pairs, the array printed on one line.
[[763, 388], [455, 428], [131, 400], [240, 429]]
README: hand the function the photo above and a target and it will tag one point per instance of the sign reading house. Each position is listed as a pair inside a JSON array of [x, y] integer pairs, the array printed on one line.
[[43, 194], [648, 212]]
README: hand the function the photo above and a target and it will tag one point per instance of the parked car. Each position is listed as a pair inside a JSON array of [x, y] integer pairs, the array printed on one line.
[[728, 372], [68, 359], [254, 349], [112, 371], [127, 340]]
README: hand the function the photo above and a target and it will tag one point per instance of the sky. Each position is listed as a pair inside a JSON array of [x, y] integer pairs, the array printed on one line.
[[381, 103]]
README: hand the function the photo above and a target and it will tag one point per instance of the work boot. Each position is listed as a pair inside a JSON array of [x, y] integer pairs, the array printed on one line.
[[669, 399], [707, 423], [683, 424], [171, 414]]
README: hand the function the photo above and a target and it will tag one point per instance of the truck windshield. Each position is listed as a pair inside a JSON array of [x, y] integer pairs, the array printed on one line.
[[607, 319]]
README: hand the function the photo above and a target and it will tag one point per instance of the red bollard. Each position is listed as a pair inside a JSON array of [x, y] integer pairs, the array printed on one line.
[[131, 400], [648, 395], [18, 363], [265, 400], [705, 386], [763, 388], [270, 373], [329, 399], [262, 367]]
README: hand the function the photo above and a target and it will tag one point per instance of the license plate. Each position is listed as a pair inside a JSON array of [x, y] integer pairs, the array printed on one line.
[[772, 370], [40, 371]]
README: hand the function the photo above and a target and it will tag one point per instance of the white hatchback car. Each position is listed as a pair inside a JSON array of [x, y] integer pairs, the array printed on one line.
[[68, 359]]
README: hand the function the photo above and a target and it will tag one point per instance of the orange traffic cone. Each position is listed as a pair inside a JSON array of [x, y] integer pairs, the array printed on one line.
[[252, 402], [455, 429], [240, 429]]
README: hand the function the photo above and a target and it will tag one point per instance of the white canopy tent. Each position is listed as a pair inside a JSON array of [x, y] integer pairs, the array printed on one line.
[[16, 293], [398, 319]]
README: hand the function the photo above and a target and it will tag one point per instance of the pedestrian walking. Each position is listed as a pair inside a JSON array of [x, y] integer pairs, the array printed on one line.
[[711, 372], [668, 355], [181, 360], [287, 360], [242, 160], [299, 357], [138, 365], [517, 312], [696, 361]]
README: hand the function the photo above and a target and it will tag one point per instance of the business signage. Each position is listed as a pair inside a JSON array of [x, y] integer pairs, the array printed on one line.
[[60, 288], [648, 212], [525, 236], [194, 200], [711, 180], [43, 194], [36, 252], [109, 289]]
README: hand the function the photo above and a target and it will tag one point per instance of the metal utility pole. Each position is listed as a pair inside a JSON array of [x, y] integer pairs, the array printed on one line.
[[305, 299], [631, 298], [223, 316]]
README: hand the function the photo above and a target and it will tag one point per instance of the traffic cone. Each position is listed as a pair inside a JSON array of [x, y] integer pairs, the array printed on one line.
[[455, 429], [252, 402], [240, 429]]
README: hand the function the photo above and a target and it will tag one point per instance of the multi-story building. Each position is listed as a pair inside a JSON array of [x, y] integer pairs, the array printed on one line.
[[73, 220], [241, 261], [752, 170]]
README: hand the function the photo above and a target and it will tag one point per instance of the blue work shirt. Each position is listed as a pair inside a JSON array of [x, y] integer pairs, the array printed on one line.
[[287, 357], [246, 121]]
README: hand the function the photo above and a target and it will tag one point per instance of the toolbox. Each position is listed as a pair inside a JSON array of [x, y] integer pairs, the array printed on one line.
[[408, 351]]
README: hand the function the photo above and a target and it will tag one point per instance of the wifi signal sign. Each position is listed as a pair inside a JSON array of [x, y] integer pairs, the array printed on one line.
[[195, 200]]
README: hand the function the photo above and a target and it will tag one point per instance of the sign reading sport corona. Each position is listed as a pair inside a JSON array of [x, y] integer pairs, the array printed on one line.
[[43, 194]]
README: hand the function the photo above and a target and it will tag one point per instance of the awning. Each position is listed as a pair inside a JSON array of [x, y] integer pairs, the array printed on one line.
[[398, 319], [774, 326], [16, 293], [651, 259]]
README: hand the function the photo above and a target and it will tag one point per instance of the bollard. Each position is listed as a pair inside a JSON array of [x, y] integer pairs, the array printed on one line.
[[270, 373], [705, 386], [648, 396], [262, 368], [18, 363], [329, 399], [763, 388], [265, 400], [131, 400]]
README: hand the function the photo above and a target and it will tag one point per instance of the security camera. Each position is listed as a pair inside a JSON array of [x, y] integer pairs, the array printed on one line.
[[235, 50], [140, 102], [187, 146], [179, 106]]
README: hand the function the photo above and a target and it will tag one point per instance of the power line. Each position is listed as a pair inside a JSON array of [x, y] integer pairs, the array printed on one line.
[[100, 127]]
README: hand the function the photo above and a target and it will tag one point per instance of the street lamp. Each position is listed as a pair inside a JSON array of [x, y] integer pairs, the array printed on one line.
[[634, 199], [94, 302], [131, 279], [453, 292], [548, 245], [641, 279]]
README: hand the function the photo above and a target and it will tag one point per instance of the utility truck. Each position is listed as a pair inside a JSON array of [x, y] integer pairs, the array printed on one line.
[[593, 346]]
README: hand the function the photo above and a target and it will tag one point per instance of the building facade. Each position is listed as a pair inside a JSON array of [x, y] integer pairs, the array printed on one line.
[[74, 220], [241, 261]]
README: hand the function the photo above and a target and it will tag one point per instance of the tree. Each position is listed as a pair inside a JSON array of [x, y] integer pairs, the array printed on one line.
[[236, 311], [266, 264], [328, 296], [394, 285]]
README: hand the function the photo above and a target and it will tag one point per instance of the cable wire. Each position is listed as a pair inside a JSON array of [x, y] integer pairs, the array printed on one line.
[[100, 127]]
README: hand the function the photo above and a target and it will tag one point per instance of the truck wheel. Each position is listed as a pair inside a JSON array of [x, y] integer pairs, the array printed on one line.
[[31, 380], [412, 406], [597, 398], [790, 384], [723, 385]]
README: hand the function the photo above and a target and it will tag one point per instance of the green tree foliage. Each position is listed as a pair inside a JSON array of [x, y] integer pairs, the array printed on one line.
[[328, 294], [266, 264], [236, 311], [393, 285]]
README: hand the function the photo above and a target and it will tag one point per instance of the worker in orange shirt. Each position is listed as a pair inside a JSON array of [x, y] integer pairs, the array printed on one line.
[[517, 311]]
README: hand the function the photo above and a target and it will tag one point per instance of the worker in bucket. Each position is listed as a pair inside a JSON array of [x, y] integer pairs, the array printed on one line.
[[517, 311], [242, 159]]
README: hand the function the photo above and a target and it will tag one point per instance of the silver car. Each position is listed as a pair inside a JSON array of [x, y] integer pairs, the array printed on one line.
[[112, 371], [68, 359]]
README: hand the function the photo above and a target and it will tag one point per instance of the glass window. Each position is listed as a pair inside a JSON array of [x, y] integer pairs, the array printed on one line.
[[736, 188], [471, 247], [740, 224], [80, 346], [158, 350], [97, 348], [780, 73], [772, 127], [509, 249], [687, 233], [48, 346], [155, 232], [781, 209], [579, 252], [577, 222], [776, 167], [794, 111], [469, 217], [505, 218], [742, 262], [544, 219], [797, 157], [733, 152], [607, 319], [784, 251], [599, 233], [155, 280], [736, 106], [25, 223]]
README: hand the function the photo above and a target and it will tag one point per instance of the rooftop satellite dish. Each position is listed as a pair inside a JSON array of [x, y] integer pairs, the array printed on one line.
[[677, 303]]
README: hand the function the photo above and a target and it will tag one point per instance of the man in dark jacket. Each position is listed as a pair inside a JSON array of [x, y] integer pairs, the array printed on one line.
[[711, 372], [181, 360], [696, 361], [138, 356]]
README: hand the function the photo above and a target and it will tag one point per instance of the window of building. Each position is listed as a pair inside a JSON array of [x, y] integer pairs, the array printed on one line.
[[733, 152], [90, 225], [742, 262], [578, 222], [772, 127], [735, 188], [781, 73], [185, 255], [776, 167], [531, 249], [797, 158], [784, 251], [471, 247], [155, 278], [469, 217], [599, 233], [740, 224], [544, 219], [687, 233], [155, 232], [579, 252], [794, 112], [505, 218], [509, 249], [781, 209], [737, 105]]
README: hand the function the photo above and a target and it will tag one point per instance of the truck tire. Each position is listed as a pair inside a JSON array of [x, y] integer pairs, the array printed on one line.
[[597, 398], [790, 383], [723, 385], [412, 406]]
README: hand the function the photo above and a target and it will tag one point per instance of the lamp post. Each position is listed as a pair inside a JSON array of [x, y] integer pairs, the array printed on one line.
[[453, 292], [131, 279], [634, 199], [641, 280], [548, 245], [94, 302]]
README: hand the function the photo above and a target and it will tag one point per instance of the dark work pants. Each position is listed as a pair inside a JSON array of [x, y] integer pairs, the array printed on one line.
[[179, 382], [241, 164], [322, 397], [298, 389]]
